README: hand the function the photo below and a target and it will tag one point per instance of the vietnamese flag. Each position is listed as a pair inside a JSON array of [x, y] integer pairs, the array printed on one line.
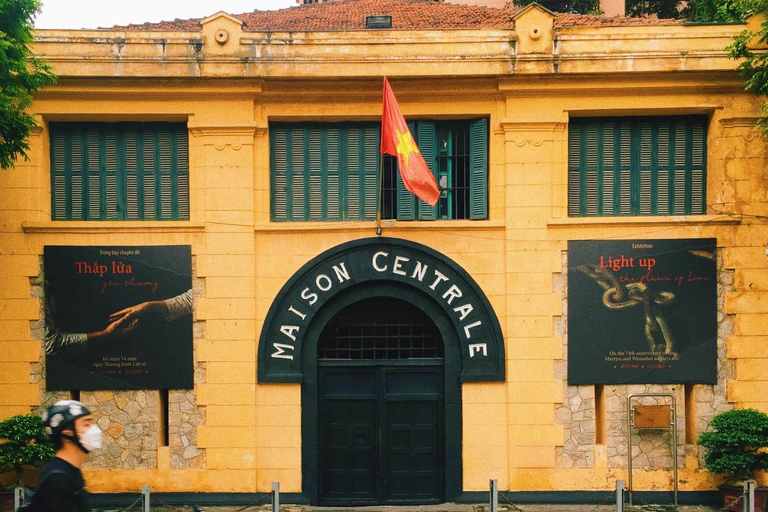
[[396, 140]]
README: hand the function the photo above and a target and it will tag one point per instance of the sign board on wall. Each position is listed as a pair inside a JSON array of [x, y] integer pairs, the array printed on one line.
[[118, 317], [642, 311]]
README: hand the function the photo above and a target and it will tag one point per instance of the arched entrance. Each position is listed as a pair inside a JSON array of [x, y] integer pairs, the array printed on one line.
[[380, 333], [381, 404]]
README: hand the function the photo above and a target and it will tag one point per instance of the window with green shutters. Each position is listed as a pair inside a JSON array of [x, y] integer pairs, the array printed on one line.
[[330, 172], [637, 166], [119, 171]]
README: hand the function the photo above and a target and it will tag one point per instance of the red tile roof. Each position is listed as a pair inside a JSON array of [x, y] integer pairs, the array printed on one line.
[[589, 20], [406, 15]]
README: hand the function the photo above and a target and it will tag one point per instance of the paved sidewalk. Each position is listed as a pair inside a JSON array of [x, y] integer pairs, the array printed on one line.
[[475, 507]]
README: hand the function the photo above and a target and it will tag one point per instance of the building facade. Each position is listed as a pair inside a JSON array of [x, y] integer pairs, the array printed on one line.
[[237, 157]]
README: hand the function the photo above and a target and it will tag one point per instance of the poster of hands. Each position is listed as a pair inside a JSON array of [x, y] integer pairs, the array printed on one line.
[[118, 317], [642, 311]]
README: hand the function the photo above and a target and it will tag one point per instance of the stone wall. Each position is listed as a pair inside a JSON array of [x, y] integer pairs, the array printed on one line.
[[650, 448]]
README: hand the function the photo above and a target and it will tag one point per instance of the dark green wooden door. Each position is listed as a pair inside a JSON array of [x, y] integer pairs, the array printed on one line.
[[381, 433]]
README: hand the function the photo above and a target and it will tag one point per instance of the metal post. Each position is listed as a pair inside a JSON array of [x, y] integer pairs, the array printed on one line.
[[494, 496], [18, 497], [619, 495], [275, 496], [674, 442], [748, 497], [145, 498], [629, 446]]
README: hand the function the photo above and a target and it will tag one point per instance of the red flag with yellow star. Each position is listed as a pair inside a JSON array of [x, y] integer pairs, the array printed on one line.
[[396, 140]]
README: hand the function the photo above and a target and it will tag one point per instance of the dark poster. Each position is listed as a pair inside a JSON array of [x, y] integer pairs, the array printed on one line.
[[642, 311], [118, 317]]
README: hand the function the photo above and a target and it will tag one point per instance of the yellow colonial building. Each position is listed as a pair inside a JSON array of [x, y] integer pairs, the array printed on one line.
[[600, 237]]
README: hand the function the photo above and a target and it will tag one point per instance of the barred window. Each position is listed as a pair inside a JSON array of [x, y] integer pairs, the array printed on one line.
[[330, 171], [637, 166], [119, 171], [380, 328]]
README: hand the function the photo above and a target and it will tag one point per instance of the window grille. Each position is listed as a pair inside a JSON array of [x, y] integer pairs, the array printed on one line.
[[378, 329]]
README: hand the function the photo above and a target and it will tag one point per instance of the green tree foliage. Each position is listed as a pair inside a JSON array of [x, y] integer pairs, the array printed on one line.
[[754, 63], [715, 11], [576, 6], [21, 74], [736, 444], [23, 443]]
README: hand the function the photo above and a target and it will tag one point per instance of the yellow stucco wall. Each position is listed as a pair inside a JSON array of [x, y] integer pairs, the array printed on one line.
[[252, 433]]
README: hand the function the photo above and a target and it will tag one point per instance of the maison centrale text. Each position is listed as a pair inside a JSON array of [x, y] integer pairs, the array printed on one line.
[[437, 283]]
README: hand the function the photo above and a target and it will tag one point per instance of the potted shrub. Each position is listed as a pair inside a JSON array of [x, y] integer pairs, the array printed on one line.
[[736, 446], [23, 445]]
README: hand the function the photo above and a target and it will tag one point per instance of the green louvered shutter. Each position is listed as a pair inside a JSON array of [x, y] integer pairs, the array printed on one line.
[[60, 188], [149, 169], [427, 141], [698, 166], [355, 173], [317, 184], [297, 179], [406, 202], [134, 178], [637, 166], [166, 170], [623, 192], [109, 191], [333, 163], [105, 171], [181, 181], [279, 162], [370, 170], [478, 166], [97, 176]]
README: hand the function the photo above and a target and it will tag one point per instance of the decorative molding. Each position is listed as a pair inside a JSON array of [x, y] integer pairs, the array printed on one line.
[[739, 122], [747, 123], [109, 227], [525, 142], [400, 226], [220, 147], [227, 131], [650, 220], [531, 126]]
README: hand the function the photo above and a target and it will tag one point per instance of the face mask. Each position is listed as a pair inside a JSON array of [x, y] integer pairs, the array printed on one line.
[[91, 438]]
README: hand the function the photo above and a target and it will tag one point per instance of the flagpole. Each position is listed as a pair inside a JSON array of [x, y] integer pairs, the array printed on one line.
[[381, 170], [381, 192]]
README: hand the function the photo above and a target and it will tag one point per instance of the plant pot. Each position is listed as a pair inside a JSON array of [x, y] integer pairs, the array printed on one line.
[[6, 501], [732, 499]]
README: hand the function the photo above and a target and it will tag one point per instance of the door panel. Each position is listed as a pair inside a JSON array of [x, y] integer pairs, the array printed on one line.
[[381, 434], [412, 454], [349, 455]]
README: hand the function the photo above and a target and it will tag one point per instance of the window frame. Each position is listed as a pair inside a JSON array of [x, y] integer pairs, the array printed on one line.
[[651, 167], [404, 205], [168, 174]]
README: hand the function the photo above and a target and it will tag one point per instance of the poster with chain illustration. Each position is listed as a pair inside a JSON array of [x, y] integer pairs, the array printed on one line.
[[118, 317], [642, 311]]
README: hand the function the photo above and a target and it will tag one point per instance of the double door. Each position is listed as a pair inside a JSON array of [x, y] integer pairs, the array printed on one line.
[[381, 433]]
